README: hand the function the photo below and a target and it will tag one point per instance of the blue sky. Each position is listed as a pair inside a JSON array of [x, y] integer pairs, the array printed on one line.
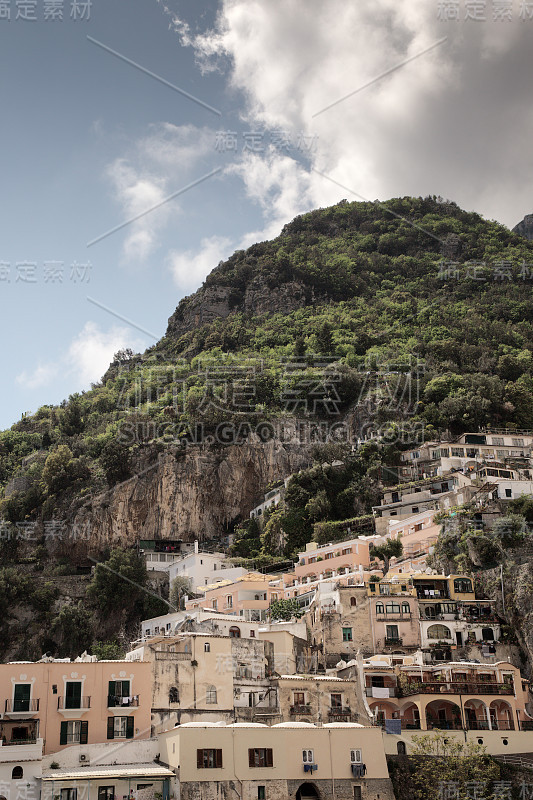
[[90, 141]]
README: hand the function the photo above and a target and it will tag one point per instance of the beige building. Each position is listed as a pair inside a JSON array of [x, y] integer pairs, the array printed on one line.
[[292, 760], [339, 621], [320, 698], [64, 702]]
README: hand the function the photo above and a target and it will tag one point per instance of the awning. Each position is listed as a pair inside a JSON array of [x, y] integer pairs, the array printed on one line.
[[109, 771]]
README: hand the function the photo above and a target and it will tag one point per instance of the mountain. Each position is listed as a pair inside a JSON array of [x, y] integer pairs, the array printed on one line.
[[525, 227], [410, 317]]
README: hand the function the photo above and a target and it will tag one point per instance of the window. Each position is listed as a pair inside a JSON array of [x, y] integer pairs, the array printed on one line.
[[74, 732], [229, 601], [252, 634], [211, 695], [69, 794], [260, 757], [21, 697], [209, 759], [353, 601], [106, 792], [380, 608], [393, 608], [336, 701], [214, 604], [346, 634], [261, 793], [439, 632], [462, 585], [518, 442], [346, 551], [357, 795], [17, 773], [207, 647], [235, 632], [406, 608], [356, 756], [173, 695], [308, 757], [116, 691], [120, 727], [414, 509], [299, 698], [508, 493], [392, 632]]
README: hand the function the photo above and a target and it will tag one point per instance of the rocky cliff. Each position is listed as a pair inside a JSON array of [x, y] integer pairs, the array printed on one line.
[[197, 493], [525, 227]]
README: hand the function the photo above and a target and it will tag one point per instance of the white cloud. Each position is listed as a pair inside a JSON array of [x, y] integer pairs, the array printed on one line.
[[450, 122], [190, 268], [86, 360], [158, 165]]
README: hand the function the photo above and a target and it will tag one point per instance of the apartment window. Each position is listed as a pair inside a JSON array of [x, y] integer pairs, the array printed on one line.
[[229, 601], [508, 493], [74, 732], [21, 697], [252, 634], [207, 647], [336, 700], [457, 452], [356, 756], [501, 454], [69, 794], [106, 793], [17, 773], [260, 757], [211, 695], [235, 632], [357, 795], [308, 757], [393, 608], [517, 442], [406, 608], [328, 555], [392, 632], [380, 608], [214, 604], [116, 692], [209, 759], [462, 585], [497, 440], [415, 509], [346, 551], [261, 793], [346, 634], [439, 632], [120, 727], [353, 601], [299, 698]]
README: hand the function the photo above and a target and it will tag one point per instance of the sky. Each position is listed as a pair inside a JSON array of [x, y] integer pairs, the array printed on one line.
[[143, 141]]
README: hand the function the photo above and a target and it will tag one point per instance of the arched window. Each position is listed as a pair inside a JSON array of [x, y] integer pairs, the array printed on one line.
[[173, 695], [207, 647], [439, 632], [487, 634], [380, 608], [17, 774], [235, 632], [406, 608], [211, 695], [400, 748], [353, 601], [462, 585], [393, 608]]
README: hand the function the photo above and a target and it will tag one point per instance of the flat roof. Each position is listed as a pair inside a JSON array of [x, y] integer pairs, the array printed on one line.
[[150, 770]]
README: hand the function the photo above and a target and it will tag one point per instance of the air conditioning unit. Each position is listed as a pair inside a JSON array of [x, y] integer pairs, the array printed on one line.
[[84, 758]]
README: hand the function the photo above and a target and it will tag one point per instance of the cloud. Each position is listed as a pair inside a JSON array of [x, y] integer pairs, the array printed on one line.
[[86, 360], [452, 121], [190, 268], [157, 165]]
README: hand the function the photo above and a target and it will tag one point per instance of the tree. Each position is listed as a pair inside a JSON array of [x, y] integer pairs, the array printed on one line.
[[441, 761], [119, 582], [180, 587], [285, 610], [391, 548], [325, 339], [115, 460]]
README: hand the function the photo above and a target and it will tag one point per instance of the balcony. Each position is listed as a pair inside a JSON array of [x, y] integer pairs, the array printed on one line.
[[394, 617], [21, 707], [444, 725], [123, 702], [453, 687], [73, 703], [340, 715], [393, 691], [395, 641], [297, 710]]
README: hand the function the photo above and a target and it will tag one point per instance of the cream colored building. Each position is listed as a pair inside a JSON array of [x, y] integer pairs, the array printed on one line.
[[291, 760], [320, 698]]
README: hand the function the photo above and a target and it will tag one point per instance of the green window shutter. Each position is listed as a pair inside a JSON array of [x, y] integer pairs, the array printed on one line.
[[130, 728], [63, 733], [269, 760], [111, 727], [84, 732], [112, 689], [125, 688]]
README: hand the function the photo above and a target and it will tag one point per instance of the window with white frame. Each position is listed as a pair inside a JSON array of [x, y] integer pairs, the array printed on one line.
[[120, 727], [308, 757], [356, 756], [211, 695]]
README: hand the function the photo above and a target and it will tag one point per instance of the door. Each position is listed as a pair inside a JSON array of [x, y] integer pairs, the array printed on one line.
[[459, 638], [21, 698], [73, 694]]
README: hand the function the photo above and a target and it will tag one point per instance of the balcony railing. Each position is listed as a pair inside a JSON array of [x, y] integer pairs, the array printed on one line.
[[444, 725], [389, 642], [73, 702], [454, 687], [393, 692], [21, 706], [393, 615], [340, 714], [122, 702], [295, 710], [19, 741]]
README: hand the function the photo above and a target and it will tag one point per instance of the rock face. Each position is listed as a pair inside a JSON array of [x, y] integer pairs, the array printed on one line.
[[217, 302], [184, 495], [525, 228]]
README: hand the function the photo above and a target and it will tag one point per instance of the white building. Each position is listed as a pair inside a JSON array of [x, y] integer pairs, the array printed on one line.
[[20, 768], [203, 568]]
